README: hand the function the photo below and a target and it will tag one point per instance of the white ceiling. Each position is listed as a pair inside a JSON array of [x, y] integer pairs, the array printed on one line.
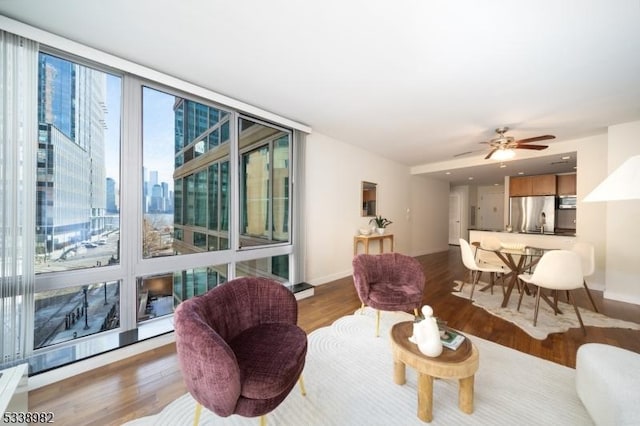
[[415, 81]]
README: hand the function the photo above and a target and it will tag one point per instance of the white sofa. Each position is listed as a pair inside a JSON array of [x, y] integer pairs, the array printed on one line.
[[608, 383]]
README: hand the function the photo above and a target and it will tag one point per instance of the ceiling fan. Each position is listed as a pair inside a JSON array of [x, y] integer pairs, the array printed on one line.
[[502, 146]]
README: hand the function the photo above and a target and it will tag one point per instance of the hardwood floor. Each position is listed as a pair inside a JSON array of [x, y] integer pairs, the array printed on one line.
[[144, 384]]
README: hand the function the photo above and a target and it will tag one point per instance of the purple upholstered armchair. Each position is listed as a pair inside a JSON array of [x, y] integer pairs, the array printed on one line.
[[239, 348], [388, 282]]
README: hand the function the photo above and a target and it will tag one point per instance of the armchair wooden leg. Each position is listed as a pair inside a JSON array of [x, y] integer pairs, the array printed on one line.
[[378, 323], [303, 391], [415, 312], [263, 420], [362, 308], [196, 418]]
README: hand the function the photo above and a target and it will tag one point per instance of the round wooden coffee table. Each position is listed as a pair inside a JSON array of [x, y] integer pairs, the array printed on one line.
[[460, 364]]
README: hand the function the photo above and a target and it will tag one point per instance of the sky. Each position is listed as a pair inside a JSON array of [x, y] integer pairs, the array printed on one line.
[[158, 132]]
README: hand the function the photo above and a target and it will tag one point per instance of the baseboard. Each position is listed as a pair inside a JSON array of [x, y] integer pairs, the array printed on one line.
[[330, 278], [621, 297], [98, 361]]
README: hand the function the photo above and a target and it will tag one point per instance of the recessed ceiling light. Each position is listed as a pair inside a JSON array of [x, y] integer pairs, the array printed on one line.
[[502, 166], [470, 177], [520, 173], [447, 173], [496, 184], [566, 157]]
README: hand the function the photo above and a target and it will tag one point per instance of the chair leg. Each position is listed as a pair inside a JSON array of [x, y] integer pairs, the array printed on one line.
[[464, 280], [575, 307], [595, 308], [378, 323], [535, 312], [303, 391], [362, 308], [415, 312], [263, 420], [196, 418], [475, 281], [492, 280]]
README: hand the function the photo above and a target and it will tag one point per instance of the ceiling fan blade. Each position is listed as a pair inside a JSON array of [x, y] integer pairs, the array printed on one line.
[[538, 147], [536, 138], [491, 153]]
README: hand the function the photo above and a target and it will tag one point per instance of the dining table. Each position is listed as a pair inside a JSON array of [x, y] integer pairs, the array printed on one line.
[[519, 259]]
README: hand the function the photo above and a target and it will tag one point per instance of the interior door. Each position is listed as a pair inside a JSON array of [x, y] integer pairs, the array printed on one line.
[[455, 227]]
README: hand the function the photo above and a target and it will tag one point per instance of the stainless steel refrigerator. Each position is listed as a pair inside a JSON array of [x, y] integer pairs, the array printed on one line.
[[533, 214]]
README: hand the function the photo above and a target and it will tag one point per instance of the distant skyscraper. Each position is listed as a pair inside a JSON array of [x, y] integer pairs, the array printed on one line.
[[111, 196], [153, 178]]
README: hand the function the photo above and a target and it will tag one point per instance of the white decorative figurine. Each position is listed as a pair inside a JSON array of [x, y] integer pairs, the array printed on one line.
[[426, 334]]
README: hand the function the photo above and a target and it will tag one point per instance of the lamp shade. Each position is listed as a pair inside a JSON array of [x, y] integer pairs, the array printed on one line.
[[503, 154], [622, 184]]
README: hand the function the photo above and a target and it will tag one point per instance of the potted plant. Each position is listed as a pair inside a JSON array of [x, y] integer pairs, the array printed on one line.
[[381, 223]]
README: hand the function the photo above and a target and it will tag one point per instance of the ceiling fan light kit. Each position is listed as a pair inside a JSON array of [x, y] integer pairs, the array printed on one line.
[[503, 154]]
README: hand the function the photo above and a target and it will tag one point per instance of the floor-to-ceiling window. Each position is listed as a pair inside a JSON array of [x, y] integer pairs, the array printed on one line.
[[77, 207], [146, 196]]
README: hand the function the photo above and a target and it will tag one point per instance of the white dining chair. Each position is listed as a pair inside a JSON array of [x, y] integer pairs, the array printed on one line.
[[476, 270], [557, 270], [588, 259]]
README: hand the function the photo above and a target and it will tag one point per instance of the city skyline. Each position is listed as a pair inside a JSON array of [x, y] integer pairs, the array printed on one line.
[[158, 132]]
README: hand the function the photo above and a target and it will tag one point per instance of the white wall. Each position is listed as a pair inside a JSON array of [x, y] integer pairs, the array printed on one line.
[[591, 217], [334, 171], [429, 215], [622, 222]]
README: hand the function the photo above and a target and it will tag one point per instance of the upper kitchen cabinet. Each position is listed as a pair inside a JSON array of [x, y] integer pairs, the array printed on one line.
[[520, 186], [567, 184], [524, 186]]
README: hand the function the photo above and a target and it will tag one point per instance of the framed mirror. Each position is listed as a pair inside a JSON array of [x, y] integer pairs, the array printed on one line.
[[369, 197]]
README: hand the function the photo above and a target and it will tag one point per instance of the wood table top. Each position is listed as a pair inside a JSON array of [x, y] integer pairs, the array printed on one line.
[[401, 332]]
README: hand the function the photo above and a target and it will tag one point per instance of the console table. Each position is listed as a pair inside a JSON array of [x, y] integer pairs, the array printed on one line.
[[366, 239]]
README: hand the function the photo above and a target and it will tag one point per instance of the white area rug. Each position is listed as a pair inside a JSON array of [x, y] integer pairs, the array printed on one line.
[[547, 321], [349, 381]]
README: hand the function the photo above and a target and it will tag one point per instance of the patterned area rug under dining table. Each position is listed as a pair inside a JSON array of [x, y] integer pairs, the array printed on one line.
[[547, 323]]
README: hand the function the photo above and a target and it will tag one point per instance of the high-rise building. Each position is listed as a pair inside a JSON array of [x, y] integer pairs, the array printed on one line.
[[111, 196], [72, 194]]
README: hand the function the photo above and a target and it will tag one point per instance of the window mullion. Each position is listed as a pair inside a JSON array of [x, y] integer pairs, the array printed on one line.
[[130, 196]]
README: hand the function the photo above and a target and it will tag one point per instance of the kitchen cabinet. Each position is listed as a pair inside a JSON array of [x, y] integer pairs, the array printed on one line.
[[567, 184], [543, 185], [520, 186], [524, 186]]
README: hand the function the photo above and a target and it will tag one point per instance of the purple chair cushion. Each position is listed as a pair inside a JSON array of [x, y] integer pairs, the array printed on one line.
[[255, 316], [270, 357], [388, 281]]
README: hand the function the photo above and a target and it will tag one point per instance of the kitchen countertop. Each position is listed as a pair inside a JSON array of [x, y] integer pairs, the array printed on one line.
[[558, 232], [534, 239]]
